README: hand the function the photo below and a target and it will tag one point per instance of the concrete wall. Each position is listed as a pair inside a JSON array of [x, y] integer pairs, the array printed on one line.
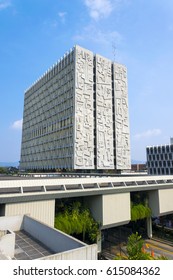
[[41, 210], [48, 235], [110, 210], [122, 131], [84, 253], [95, 205], [13, 223], [84, 122], [116, 209], [166, 201], [161, 202], [7, 244], [104, 114]]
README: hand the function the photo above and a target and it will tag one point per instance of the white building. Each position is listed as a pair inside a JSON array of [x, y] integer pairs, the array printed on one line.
[[76, 116], [160, 159]]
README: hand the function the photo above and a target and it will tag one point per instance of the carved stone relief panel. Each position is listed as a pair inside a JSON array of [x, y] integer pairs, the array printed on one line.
[[84, 123], [122, 135], [104, 118]]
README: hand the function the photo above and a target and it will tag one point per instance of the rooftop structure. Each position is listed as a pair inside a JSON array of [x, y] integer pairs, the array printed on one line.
[[76, 116], [25, 238]]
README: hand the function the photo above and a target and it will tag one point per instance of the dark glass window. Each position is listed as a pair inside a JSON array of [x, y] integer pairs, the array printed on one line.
[[167, 171], [167, 149]]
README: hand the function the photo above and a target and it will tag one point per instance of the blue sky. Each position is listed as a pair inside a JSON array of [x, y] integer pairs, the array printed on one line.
[[34, 34]]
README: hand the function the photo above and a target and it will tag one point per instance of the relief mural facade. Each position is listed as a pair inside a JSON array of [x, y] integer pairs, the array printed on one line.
[[104, 114], [122, 135], [84, 119]]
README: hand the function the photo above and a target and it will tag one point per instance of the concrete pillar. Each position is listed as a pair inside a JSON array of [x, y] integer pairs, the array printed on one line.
[[99, 241], [149, 227]]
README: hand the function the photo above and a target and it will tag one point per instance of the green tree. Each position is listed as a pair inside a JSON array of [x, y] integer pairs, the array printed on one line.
[[135, 248], [3, 170], [136, 251], [76, 219]]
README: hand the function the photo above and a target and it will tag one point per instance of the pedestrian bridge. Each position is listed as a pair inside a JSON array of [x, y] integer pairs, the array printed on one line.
[[107, 197]]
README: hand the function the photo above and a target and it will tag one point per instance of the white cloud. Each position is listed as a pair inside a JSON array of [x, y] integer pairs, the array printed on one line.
[[96, 35], [17, 124], [62, 16], [4, 4], [99, 8], [149, 133]]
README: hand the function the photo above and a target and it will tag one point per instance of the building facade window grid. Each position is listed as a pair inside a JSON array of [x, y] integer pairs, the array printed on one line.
[[160, 159]]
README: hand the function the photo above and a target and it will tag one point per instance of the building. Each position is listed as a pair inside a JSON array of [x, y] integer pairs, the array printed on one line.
[[160, 159], [76, 116], [138, 167]]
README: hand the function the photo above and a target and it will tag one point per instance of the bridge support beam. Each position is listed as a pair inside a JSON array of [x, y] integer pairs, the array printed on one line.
[[160, 202]]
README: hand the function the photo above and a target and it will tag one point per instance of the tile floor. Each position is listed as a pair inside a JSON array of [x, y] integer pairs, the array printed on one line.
[[28, 248]]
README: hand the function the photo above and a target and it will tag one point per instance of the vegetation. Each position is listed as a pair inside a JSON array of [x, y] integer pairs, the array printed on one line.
[[75, 219], [8, 170], [3, 170], [139, 211], [136, 250], [139, 206]]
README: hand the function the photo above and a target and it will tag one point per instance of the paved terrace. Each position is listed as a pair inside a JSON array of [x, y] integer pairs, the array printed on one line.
[[15, 189], [29, 248]]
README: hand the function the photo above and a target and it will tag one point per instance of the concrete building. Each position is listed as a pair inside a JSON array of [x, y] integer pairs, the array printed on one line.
[[160, 159], [109, 199], [76, 116]]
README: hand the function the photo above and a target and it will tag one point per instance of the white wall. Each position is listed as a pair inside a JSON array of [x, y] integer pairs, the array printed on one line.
[[110, 210], [54, 239], [14, 223], [161, 202], [41, 210], [154, 202], [116, 209], [166, 201], [85, 253], [7, 244]]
